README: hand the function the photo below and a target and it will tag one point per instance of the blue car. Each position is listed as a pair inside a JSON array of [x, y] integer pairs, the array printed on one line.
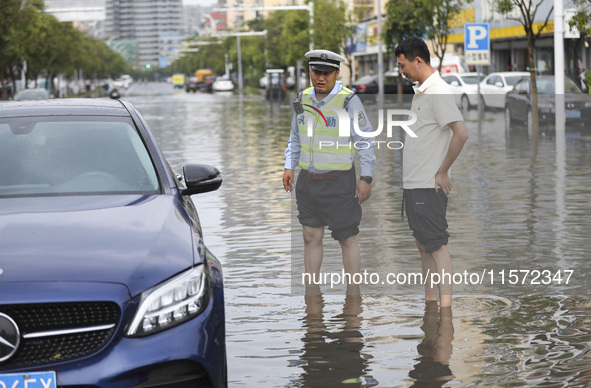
[[105, 280]]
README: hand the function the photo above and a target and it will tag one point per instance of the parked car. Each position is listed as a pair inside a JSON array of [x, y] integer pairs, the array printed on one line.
[[465, 87], [369, 84], [105, 280], [494, 87], [518, 105], [32, 94], [191, 85], [223, 84], [275, 85]]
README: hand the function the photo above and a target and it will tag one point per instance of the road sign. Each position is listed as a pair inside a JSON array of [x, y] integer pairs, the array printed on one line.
[[477, 44]]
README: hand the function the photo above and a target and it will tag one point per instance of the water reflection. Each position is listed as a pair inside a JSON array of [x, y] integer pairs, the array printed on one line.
[[435, 350], [332, 351], [508, 211]]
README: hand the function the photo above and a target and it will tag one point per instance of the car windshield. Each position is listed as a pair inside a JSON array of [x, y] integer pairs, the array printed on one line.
[[512, 79], [470, 79], [364, 80], [546, 86], [78, 156]]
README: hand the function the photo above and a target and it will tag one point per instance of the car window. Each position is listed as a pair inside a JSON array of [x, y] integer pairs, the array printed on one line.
[[364, 80], [570, 87], [470, 79], [545, 85], [50, 156], [450, 79], [512, 80], [522, 86]]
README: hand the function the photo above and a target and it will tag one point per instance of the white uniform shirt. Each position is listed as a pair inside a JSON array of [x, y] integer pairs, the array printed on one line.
[[435, 108], [365, 148]]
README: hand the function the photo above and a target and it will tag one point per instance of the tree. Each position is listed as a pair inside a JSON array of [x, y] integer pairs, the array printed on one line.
[[16, 15], [528, 10], [441, 12], [350, 39], [581, 20], [404, 18], [253, 56]]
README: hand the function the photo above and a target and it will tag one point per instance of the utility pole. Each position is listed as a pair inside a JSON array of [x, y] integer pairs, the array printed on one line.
[[238, 35], [559, 66], [380, 58], [309, 8]]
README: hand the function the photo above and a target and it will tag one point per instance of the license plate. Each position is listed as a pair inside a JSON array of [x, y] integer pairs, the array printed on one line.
[[573, 114], [29, 380]]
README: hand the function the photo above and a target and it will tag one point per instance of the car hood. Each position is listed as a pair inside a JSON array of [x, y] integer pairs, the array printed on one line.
[[137, 241]]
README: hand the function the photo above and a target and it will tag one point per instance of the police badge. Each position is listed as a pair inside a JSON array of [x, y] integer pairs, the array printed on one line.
[[361, 119]]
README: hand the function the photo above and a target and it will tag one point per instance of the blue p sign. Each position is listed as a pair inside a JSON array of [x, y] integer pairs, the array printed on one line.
[[476, 36]]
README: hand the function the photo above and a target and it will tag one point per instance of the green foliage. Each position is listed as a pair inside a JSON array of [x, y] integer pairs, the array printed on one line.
[[442, 12], [210, 56], [287, 39], [404, 18], [330, 26], [288, 36], [48, 46], [581, 20], [588, 80]]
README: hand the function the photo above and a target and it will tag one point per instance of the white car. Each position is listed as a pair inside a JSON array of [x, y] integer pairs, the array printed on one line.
[[223, 85], [494, 87], [465, 87]]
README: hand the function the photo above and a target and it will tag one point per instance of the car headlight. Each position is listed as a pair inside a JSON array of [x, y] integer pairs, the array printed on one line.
[[588, 104], [171, 303]]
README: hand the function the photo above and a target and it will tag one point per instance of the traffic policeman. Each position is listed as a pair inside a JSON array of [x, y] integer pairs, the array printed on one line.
[[327, 190]]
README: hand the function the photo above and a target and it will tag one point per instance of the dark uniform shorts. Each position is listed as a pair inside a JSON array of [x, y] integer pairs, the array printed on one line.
[[426, 212], [329, 202]]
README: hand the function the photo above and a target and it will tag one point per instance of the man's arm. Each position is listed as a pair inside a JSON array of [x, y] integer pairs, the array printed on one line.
[[367, 157], [459, 137], [292, 155]]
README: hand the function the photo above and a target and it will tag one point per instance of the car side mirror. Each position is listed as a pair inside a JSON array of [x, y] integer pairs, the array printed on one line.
[[201, 178], [499, 84], [455, 83]]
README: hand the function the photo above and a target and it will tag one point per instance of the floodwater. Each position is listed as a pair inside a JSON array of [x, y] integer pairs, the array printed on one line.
[[520, 232]]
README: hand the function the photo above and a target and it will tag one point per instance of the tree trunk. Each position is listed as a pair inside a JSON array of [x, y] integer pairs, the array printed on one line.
[[534, 87]]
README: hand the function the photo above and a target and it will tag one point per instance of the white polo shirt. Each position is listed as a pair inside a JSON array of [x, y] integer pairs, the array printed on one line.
[[435, 107]]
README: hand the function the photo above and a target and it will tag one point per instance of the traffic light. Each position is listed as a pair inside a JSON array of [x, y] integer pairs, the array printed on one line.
[[147, 65]]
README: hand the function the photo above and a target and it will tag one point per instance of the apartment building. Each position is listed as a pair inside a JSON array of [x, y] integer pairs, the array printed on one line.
[[156, 25]]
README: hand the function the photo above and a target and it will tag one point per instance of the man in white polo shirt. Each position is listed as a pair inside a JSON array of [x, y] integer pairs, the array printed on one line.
[[427, 160]]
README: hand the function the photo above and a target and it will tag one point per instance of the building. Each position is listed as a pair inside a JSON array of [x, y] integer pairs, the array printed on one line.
[[239, 13], [156, 26], [509, 50], [86, 16]]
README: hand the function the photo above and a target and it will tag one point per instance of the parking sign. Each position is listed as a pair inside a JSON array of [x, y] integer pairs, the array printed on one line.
[[477, 44]]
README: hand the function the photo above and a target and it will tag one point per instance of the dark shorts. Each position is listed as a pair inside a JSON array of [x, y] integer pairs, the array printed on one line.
[[329, 202], [426, 212]]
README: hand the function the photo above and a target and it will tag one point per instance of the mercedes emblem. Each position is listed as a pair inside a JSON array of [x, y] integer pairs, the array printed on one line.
[[10, 337]]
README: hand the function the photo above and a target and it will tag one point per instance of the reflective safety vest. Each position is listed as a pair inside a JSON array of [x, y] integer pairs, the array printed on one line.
[[325, 150]]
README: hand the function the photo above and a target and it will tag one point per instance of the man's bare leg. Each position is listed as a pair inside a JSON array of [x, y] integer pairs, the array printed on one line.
[[437, 262], [313, 251], [428, 266], [443, 264], [351, 255]]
